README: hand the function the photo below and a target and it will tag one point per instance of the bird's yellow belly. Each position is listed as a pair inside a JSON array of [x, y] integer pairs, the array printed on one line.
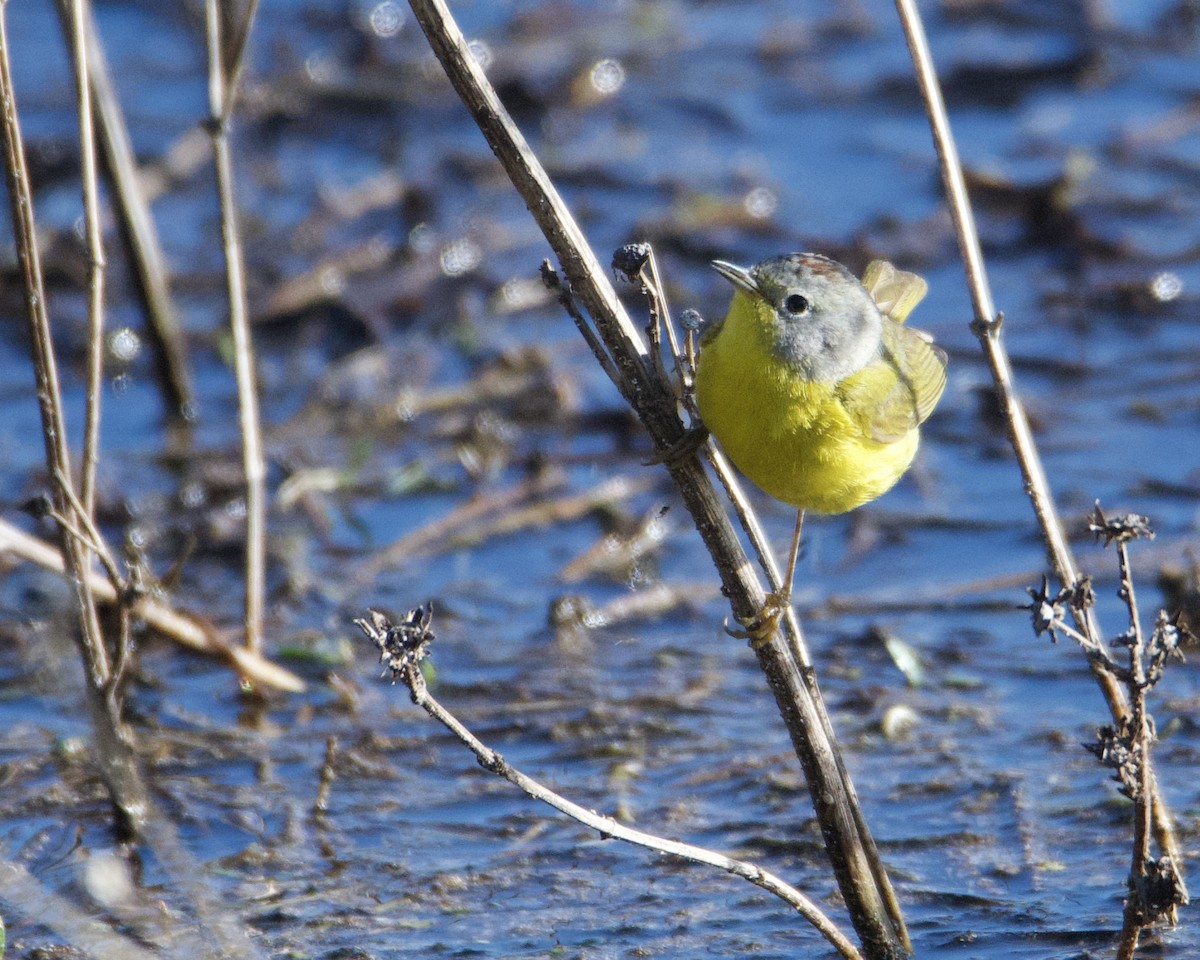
[[793, 437]]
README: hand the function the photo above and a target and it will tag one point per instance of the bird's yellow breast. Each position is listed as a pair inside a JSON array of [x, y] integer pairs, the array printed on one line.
[[793, 437]]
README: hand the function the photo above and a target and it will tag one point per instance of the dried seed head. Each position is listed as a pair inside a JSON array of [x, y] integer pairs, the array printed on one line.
[[628, 260], [404, 644], [1132, 526]]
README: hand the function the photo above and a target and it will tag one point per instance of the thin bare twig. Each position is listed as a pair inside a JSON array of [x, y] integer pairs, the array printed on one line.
[[1155, 886], [660, 316], [45, 366], [222, 74], [235, 34], [987, 327], [645, 268], [86, 532], [77, 25], [403, 646], [1135, 917], [660, 319], [95, 247]]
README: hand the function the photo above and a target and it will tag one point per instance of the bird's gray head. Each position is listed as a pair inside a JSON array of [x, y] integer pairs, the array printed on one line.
[[825, 325]]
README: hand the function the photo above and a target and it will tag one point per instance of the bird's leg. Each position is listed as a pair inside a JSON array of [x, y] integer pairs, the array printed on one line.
[[763, 623], [783, 597]]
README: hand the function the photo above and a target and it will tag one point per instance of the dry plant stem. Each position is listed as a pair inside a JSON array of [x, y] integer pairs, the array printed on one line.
[[87, 533], [493, 762], [1141, 737], [747, 518], [160, 617], [78, 25], [660, 320], [147, 262], [803, 659], [95, 246], [987, 326], [869, 903], [222, 75], [112, 737], [766, 558], [595, 344], [987, 323]]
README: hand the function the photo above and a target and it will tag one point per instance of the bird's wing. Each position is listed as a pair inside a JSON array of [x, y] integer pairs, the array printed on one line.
[[894, 291], [898, 391]]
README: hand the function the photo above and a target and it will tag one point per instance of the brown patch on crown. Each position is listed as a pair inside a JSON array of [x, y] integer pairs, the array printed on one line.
[[818, 265], [774, 274]]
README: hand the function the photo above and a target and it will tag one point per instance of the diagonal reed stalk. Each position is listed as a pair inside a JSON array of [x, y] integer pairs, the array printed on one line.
[[987, 327], [620, 348]]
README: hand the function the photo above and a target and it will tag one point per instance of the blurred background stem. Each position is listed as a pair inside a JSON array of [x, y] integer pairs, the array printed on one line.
[[227, 33]]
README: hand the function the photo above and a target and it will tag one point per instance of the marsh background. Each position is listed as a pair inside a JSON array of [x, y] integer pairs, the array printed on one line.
[[410, 364]]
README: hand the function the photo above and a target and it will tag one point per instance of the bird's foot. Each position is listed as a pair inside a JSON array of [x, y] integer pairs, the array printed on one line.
[[759, 628]]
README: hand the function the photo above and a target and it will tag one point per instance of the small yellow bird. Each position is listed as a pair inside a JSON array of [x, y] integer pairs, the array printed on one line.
[[813, 385]]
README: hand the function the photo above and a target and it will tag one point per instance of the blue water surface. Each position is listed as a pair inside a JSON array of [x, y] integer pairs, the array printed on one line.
[[736, 130]]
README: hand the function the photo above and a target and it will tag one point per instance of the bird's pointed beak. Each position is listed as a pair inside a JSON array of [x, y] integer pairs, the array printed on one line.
[[739, 276]]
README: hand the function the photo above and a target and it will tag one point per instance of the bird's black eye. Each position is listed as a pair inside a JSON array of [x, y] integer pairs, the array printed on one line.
[[796, 304]]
